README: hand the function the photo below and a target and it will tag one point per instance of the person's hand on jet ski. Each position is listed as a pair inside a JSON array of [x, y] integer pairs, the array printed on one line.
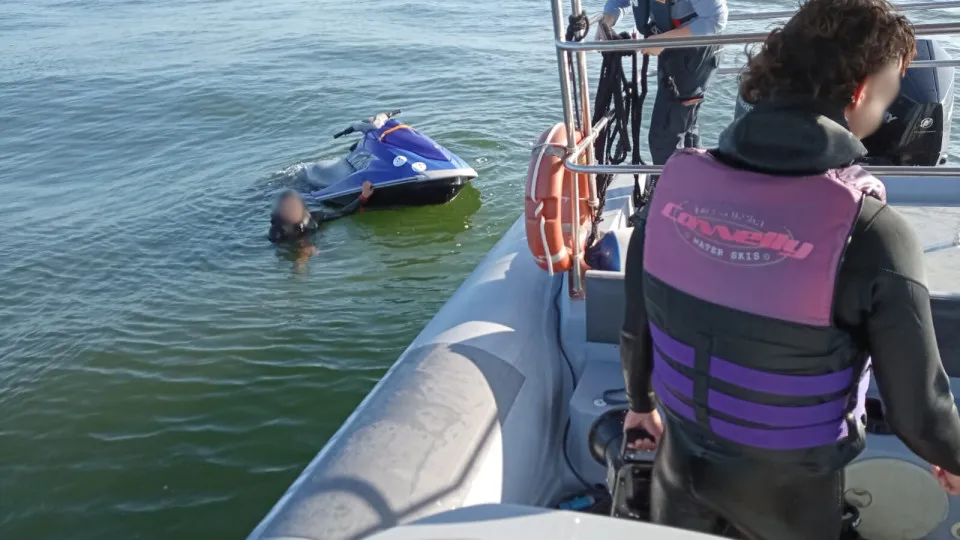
[[366, 190], [292, 221]]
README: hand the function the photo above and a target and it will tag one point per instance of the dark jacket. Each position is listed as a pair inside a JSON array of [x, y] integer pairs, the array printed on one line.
[[280, 232], [880, 298]]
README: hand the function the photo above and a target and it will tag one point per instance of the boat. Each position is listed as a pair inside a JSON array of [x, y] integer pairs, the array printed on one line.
[[499, 416], [406, 167]]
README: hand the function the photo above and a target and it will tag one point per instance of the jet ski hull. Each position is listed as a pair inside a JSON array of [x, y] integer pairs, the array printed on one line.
[[405, 167], [415, 193]]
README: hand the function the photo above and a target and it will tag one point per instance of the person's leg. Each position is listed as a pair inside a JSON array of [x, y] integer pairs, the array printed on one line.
[[683, 76], [769, 502], [691, 138], [670, 502], [664, 136], [666, 122], [703, 491], [704, 63], [673, 507]]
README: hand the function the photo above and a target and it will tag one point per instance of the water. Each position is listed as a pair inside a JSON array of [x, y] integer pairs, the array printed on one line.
[[165, 372]]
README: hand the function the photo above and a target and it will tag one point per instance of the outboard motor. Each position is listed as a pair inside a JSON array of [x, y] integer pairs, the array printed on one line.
[[916, 129]]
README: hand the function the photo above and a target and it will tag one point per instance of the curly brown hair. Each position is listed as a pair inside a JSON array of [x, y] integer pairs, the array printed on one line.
[[827, 48]]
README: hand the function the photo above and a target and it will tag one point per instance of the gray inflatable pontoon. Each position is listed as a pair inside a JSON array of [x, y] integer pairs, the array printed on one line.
[[477, 429]]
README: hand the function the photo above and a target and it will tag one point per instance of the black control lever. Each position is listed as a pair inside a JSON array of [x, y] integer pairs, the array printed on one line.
[[347, 131], [631, 436]]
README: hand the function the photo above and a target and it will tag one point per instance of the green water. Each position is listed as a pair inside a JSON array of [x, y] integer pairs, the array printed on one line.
[[164, 372]]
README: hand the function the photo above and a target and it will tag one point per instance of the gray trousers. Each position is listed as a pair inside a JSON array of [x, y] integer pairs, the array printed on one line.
[[682, 79]]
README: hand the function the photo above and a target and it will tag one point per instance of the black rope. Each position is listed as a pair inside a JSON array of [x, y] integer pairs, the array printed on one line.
[[578, 27], [637, 121], [621, 99]]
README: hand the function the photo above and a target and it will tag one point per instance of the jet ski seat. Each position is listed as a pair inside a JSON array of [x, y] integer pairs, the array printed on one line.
[[328, 172]]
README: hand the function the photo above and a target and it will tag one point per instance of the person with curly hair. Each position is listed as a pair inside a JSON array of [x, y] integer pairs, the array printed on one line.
[[767, 277]]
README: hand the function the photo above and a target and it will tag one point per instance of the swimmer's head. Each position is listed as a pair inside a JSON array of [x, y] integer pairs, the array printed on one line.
[[290, 217], [291, 208], [848, 53]]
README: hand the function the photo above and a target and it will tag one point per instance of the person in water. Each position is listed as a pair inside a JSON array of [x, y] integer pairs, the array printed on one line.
[[292, 221], [765, 277], [682, 73]]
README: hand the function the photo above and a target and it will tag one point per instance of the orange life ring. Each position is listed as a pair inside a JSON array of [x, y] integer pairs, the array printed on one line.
[[548, 203]]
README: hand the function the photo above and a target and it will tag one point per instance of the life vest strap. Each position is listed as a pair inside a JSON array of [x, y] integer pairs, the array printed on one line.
[[677, 23]]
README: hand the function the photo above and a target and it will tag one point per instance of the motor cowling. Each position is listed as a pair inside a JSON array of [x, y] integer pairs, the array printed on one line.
[[916, 127]]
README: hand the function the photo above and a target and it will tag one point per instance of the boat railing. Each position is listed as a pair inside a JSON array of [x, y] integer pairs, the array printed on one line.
[[579, 154], [913, 65], [905, 6]]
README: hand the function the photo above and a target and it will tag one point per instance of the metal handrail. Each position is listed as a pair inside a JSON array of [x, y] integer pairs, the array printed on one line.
[[931, 29], [783, 14], [895, 171], [913, 65]]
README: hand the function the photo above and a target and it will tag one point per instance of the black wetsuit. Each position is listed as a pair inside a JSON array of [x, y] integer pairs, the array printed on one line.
[[880, 300], [280, 232]]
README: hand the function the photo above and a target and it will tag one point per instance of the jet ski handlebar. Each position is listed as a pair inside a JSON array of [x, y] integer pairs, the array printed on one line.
[[347, 131], [352, 129]]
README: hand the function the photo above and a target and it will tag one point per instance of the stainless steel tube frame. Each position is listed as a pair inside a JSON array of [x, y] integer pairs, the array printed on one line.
[[913, 65], [932, 29], [783, 14], [565, 92], [585, 111], [902, 171]]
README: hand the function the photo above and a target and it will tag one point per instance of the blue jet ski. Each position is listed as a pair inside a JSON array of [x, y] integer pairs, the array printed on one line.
[[406, 167]]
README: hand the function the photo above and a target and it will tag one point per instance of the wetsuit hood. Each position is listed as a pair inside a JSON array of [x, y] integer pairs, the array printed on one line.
[[791, 135], [282, 231]]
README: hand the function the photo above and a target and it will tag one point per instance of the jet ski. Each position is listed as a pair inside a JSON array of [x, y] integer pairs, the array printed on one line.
[[406, 167]]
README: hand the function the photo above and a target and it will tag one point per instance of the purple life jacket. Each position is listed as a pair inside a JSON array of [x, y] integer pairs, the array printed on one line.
[[740, 271]]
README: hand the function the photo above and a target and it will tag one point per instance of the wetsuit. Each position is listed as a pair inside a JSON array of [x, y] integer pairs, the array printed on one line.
[[682, 74], [281, 232], [714, 466]]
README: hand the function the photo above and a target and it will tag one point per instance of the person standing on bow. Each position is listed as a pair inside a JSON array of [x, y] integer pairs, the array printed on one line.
[[767, 278], [682, 74]]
